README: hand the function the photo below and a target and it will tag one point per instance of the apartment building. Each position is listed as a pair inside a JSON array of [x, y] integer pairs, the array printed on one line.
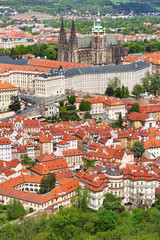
[[139, 186], [5, 149], [73, 158], [59, 196]]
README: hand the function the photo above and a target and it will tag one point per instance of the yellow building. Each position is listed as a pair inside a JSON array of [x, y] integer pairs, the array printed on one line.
[[136, 120]]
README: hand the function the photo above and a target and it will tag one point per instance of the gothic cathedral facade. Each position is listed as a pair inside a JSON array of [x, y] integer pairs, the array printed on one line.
[[98, 48]]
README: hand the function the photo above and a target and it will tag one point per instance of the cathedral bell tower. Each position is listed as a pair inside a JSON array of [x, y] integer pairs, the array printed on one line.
[[73, 45], [62, 45], [98, 43]]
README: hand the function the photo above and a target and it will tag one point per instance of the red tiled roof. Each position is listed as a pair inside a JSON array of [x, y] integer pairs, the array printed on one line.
[[31, 124], [6, 86], [135, 116], [54, 64], [72, 152], [46, 157], [4, 141], [46, 167]]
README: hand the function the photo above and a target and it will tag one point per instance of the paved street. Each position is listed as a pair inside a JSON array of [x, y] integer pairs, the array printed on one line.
[[39, 101]]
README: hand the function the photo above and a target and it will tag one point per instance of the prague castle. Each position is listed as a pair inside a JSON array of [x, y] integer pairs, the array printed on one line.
[[98, 48]]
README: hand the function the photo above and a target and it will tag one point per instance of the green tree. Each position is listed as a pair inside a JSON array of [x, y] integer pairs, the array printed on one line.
[[47, 183], [31, 210], [61, 103], [112, 86], [112, 202], [118, 92], [109, 91], [15, 209], [50, 52], [108, 220], [87, 115], [155, 84], [85, 106], [138, 149], [72, 99], [146, 82], [63, 109], [81, 198], [27, 160], [157, 199], [138, 216], [115, 82], [137, 90], [15, 103], [121, 92], [125, 92], [20, 50], [120, 120], [134, 108]]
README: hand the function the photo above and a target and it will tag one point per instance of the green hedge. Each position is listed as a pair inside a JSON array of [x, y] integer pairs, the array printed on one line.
[[71, 107]]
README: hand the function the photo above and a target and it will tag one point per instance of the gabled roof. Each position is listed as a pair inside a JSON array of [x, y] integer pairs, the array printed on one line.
[[6, 86], [4, 141], [81, 134], [46, 157], [46, 167], [135, 116], [72, 152], [31, 124], [29, 144]]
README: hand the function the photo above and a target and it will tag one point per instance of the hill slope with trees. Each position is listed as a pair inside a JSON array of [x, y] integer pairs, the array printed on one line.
[[106, 6]]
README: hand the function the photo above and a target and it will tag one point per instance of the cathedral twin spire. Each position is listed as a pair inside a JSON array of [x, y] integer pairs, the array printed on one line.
[[67, 51]]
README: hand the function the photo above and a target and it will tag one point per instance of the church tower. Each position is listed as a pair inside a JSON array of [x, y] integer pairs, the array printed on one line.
[[73, 45], [62, 45], [98, 43]]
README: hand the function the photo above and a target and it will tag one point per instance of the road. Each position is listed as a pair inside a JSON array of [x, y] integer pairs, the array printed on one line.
[[39, 101]]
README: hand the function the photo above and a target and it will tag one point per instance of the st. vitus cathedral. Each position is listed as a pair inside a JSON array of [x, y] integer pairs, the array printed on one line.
[[98, 48]]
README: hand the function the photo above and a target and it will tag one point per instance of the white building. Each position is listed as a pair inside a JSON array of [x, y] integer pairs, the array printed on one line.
[[51, 109], [7, 90], [139, 186], [92, 79], [5, 149], [97, 188], [133, 185]]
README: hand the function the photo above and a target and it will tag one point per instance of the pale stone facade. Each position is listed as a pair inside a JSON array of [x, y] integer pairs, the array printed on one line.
[[7, 90], [5, 149], [91, 79], [139, 191]]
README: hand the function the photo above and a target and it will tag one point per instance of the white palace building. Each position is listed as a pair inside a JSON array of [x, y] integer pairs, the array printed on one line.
[[92, 79]]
